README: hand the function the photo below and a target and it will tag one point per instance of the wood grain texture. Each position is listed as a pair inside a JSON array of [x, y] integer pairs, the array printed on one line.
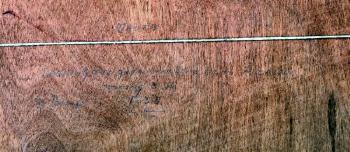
[[246, 96]]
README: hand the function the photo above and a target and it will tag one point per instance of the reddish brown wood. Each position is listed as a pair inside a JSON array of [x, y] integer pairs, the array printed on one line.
[[247, 96]]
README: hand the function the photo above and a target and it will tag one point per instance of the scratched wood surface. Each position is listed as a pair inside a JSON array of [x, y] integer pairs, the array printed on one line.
[[248, 96]]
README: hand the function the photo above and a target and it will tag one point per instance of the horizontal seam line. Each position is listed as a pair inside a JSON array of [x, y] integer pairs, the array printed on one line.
[[198, 40]]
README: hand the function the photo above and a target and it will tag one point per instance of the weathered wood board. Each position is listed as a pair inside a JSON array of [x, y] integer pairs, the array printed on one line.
[[245, 96]]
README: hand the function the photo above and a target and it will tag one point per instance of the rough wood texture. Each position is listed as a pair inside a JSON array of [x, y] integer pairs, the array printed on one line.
[[251, 96]]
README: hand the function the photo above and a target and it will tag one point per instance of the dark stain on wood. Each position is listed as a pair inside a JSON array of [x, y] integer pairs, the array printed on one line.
[[332, 119], [9, 12]]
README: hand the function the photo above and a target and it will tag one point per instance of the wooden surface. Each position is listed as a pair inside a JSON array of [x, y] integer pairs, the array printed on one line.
[[247, 96]]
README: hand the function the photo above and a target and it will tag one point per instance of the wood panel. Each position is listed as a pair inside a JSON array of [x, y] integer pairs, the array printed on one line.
[[245, 96]]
